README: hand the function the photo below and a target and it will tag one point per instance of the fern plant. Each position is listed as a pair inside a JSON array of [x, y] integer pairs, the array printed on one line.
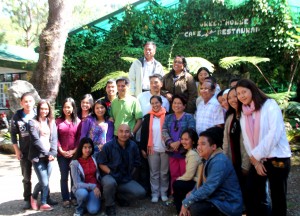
[[194, 63], [113, 75], [231, 61]]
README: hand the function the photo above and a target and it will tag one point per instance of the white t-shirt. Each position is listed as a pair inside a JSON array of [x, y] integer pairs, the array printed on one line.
[[144, 99], [158, 143], [148, 71]]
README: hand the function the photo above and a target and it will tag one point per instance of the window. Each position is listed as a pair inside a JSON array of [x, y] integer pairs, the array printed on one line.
[[4, 86]]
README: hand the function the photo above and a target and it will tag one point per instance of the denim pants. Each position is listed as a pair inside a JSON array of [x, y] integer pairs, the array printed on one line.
[[64, 168], [43, 169], [126, 191], [87, 200], [26, 166]]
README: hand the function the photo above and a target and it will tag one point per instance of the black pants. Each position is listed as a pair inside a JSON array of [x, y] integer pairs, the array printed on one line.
[[277, 175], [180, 189], [26, 173]]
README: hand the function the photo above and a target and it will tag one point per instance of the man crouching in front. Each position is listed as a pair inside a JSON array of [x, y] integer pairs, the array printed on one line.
[[217, 191], [118, 161]]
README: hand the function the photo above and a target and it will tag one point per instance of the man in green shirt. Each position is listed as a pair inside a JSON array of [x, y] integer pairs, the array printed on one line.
[[125, 109]]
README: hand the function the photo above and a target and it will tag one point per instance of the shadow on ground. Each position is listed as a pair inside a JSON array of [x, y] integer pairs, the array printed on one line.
[[142, 207]]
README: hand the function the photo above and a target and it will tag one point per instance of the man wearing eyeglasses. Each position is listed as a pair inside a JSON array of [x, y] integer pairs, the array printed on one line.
[[142, 68], [209, 112]]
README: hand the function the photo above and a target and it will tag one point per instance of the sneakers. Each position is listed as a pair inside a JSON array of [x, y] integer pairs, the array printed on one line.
[[26, 205], [164, 198], [34, 203], [154, 199], [110, 210], [46, 207], [52, 202]]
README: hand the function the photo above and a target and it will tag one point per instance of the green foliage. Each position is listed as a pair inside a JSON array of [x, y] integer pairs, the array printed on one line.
[[29, 16], [231, 61], [2, 36], [293, 110], [102, 83], [282, 99], [128, 59], [93, 55], [194, 63], [7, 136]]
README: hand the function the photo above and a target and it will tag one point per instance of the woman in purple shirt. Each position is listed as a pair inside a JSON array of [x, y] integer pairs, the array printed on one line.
[[68, 137], [97, 126], [175, 123]]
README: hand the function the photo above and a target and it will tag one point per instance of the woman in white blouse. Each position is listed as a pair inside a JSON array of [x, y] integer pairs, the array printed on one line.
[[265, 141]]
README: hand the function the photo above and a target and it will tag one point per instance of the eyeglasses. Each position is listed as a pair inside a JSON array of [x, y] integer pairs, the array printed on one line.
[[205, 89], [178, 62], [176, 126]]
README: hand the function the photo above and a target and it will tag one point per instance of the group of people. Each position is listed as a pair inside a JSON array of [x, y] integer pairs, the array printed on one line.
[[173, 137]]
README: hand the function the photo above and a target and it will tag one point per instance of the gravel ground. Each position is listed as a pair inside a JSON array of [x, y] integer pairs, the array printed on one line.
[[11, 194]]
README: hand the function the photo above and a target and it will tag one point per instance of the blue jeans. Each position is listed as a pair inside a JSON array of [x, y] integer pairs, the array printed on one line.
[[26, 173], [43, 170], [64, 168], [87, 200]]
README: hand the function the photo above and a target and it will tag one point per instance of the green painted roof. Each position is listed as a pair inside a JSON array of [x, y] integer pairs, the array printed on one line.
[[103, 24], [17, 53]]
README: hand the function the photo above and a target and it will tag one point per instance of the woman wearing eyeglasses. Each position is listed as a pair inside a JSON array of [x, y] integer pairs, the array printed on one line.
[[180, 81], [174, 125], [233, 141]]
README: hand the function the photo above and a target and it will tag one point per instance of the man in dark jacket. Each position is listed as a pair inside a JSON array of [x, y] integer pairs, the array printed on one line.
[[21, 140], [118, 161]]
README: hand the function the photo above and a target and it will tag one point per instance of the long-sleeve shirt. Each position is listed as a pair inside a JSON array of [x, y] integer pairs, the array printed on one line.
[[192, 160], [68, 134], [91, 129], [120, 161], [37, 147], [19, 130], [272, 139]]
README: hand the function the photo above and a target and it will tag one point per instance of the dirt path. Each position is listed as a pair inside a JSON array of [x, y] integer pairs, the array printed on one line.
[[11, 194]]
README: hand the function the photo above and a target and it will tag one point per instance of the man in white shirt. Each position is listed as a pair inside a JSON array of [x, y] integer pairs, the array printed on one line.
[[209, 112], [155, 87], [142, 68]]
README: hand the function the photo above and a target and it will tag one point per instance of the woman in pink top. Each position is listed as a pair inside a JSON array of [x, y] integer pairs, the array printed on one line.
[[68, 136]]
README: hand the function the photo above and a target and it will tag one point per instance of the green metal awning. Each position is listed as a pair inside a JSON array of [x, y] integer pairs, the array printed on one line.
[[103, 24]]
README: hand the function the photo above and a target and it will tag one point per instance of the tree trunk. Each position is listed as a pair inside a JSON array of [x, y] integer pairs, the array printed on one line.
[[47, 76]]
